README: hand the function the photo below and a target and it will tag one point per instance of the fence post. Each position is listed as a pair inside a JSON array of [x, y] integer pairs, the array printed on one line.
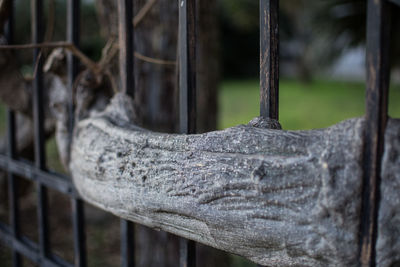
[[269, 59], [126, 47], [38, 115], [187, 95], [378, 68]]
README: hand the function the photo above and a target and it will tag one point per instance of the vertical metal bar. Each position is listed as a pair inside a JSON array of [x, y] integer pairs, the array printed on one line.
[[73, 36], [10, 24], [78, 221], [378, 73], [187, 95], [269, 59], [187, 253], [12, 187], [127, 244], [37, 37], [125, 16], [38, 115], [187, 65], [12, 153], [125, 8]]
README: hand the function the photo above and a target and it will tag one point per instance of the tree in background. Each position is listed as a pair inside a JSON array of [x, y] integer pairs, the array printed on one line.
[[239, 23], [341, 24], [313, 34]]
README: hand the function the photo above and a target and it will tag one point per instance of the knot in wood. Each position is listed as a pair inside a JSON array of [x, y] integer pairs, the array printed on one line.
[[266, 123]]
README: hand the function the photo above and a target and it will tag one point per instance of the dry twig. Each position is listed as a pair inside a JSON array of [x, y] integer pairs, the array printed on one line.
[[108, 53], [154, 60], [70, 47], [143, 12]]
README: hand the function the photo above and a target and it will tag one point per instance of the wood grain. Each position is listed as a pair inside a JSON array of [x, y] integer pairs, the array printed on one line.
[[279, 198]]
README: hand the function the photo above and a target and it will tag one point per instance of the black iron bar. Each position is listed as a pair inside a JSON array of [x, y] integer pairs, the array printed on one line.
[[269, 59], [12, 186], [38, 115], [125, 17], [187, 66], [78, 221], [187, 253], [125, 8], [378, 73], [38, 112], [127, 244], [12, 153], [73, 37], [187, 96]]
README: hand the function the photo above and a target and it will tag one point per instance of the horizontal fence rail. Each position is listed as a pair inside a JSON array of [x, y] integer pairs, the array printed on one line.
[[29, 171]]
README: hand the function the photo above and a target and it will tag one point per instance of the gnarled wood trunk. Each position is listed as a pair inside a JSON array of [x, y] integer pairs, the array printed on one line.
[[279, 198]]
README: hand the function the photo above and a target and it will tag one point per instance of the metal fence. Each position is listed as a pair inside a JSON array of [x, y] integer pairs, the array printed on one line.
[[41, 253]]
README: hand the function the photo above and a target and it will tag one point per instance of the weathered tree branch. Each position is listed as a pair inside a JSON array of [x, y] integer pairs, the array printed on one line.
[[276, 197], [279, 198], [388, 241]]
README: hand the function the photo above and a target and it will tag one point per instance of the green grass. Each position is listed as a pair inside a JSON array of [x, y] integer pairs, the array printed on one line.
[[302, 106]]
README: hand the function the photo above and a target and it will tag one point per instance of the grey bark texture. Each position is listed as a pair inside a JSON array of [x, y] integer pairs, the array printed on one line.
[[156, 97], [388, 243], [279, 198], [156, 94]]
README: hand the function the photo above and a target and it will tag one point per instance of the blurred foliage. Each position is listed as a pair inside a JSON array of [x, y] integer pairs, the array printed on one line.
[[91, 41], [239, 29], [313, 33], [240, 14], [342, 24], [239, 37]]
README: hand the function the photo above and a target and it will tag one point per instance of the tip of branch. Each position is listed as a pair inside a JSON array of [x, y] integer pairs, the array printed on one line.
[[121, 109]]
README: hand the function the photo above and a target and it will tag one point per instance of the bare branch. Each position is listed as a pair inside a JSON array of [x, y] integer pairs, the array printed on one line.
[[154, 60], [143, 12], [279, 198], [272, 196], [69, 46]]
